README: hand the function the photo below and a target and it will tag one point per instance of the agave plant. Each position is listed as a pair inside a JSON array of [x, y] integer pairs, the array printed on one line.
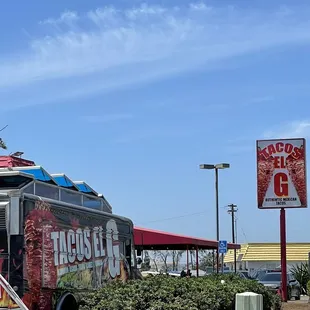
[[302, 275]]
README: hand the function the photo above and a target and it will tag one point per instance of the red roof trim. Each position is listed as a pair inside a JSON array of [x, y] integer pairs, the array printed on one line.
[[148, 237], [12, 161]]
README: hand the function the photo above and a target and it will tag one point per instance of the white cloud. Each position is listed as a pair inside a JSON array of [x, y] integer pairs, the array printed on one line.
[[246, 143], [199, 6], [66, 17], [108, 48], [295, 129]]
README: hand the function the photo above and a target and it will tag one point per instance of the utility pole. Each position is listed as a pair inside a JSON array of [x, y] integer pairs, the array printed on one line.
[[309, 266], [232, 209], [236, 230]]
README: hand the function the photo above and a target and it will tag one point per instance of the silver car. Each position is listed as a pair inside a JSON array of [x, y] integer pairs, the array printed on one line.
[[240, 274], [272, 280]]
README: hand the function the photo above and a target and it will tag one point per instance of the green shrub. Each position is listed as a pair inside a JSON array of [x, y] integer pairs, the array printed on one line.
[[168, 293], [308, 288]]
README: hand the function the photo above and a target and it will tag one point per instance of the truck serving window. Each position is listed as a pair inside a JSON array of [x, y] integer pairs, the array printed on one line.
[[13, 181]]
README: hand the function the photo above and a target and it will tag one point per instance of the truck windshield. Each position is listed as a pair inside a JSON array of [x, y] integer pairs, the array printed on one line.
[[269, 277], [13, 181], [3, 252]]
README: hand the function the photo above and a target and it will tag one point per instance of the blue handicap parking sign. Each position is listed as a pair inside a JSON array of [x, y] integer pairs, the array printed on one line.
[[222, 246]]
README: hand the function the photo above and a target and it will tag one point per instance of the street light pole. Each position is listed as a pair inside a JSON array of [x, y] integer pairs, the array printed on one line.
[[216, 168]]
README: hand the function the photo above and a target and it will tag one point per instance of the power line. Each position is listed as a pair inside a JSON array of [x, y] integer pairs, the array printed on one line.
[[198, 213], [4, 128], [175, 217], [242, 230]]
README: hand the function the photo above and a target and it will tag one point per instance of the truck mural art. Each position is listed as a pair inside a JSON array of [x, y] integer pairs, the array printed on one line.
[[65, 249]]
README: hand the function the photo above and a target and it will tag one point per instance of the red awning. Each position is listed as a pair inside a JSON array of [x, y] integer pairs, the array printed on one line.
[[149, 239]]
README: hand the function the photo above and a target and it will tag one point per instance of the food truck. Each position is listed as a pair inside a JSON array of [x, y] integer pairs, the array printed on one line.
[[58, 238]]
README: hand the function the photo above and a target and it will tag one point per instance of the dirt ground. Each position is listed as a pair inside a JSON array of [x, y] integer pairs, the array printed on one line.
[[297, 305]]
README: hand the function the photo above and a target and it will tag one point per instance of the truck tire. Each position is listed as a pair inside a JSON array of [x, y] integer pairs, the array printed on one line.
[[67, 302]]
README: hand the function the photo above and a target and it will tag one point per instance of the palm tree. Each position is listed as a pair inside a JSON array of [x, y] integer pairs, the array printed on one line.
[[2, 143]]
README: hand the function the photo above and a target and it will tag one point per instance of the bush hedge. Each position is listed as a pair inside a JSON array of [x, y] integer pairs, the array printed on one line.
[[163, 292]]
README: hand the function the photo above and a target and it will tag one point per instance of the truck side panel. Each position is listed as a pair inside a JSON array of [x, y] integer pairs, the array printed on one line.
[[4, 264], [67, 250]]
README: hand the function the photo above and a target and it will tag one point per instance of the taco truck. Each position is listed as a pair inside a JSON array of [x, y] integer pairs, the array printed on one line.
[[58, 239]]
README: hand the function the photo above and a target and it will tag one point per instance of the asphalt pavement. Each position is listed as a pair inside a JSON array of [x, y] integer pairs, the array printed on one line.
[[304, 298]]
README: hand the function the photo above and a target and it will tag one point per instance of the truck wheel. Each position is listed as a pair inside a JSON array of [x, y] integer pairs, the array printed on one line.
[[66, 302]]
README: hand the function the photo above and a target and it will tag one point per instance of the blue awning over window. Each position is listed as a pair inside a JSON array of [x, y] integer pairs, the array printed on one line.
[[63, 181], [85, 188], [38, 173]]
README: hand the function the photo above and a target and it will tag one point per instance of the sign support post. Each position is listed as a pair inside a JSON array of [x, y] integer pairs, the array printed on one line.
[[283, 254]]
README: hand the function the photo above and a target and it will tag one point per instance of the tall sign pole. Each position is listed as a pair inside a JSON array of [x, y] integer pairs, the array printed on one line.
[[217, 218], [283, 254], [281, 184]]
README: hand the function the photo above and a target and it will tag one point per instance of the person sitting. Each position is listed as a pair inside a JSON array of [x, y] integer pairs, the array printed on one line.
[[183, 273], [189, 274]]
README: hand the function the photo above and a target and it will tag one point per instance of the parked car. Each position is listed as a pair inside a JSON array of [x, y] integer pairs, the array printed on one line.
[[149, 273], [155, 273], [246, 274], [259, 274], [240, 274], [272, 280]]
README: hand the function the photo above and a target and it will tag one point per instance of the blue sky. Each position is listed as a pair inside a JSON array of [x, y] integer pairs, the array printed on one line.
[[132, 97]]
